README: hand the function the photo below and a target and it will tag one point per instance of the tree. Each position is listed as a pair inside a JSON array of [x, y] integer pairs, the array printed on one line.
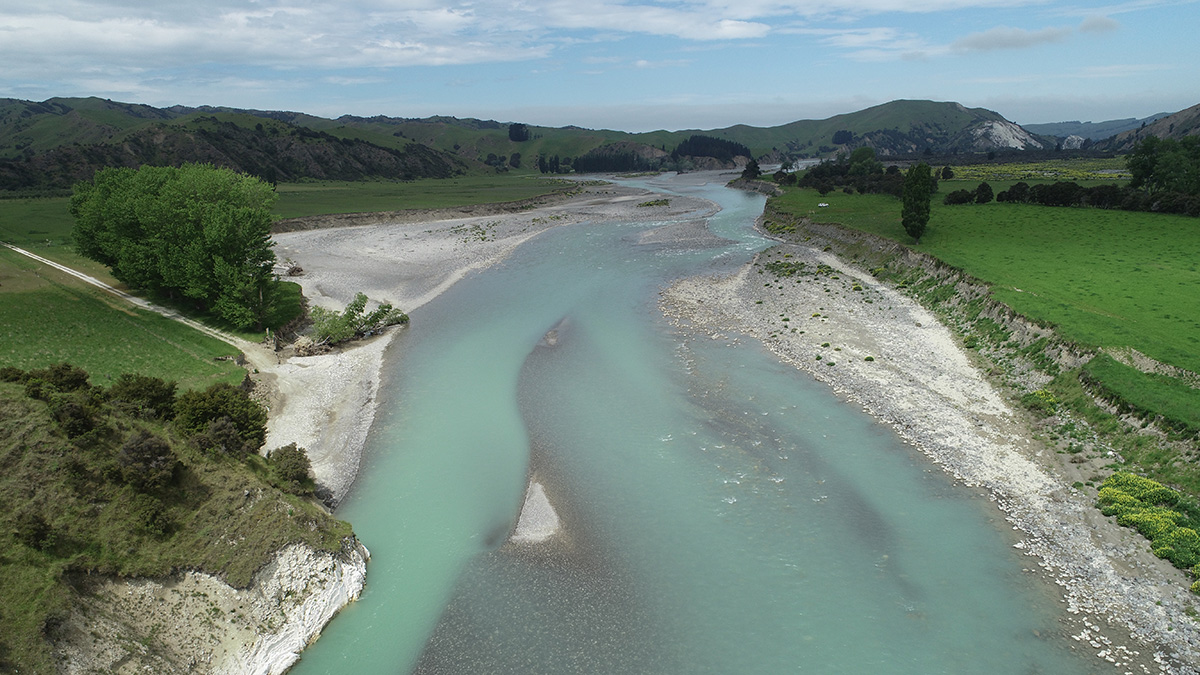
[[983, 193], [518, 133], [863, 162], [333, 327], [751, 172], [195, 230], [914, 214], [947, 173]]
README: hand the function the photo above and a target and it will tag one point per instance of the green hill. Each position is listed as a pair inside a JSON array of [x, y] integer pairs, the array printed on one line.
[[52, 144]]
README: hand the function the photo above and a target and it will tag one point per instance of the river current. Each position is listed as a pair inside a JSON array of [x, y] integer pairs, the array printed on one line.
[[722, 512]]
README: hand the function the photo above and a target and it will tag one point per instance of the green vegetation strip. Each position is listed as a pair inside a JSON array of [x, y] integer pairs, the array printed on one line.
[[328, 197]]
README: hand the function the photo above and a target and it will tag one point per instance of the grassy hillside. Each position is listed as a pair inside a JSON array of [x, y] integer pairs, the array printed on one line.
[[48, 145]]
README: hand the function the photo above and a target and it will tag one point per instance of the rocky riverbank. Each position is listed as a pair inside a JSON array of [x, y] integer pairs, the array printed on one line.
[[878, 348]]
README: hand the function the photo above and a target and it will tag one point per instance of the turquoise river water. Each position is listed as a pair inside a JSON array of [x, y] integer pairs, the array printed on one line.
[[723, 513]]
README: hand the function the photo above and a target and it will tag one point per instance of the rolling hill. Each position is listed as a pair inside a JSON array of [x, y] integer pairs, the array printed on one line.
[[51, 144]]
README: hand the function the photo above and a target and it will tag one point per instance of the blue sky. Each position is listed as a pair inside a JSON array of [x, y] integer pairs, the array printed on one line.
[[635, 65]]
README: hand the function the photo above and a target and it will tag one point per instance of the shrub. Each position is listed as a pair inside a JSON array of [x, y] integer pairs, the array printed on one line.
[[195, 411], [149, 395], [333, 327], [983, 193], [147, 462], [1146, 506], [62, 376], [959, 197], [1042, 401], [73, 412], [292, 469], [221, 436]]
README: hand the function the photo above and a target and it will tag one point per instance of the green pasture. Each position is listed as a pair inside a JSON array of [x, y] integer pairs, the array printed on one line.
[[326, 197], [47, 317], [1103, 278]]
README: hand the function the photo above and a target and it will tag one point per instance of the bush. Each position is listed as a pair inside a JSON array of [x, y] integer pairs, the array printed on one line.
[[1042, 401], [149, 395], [292, 469], [147, 462], [983, 193], [959, 197], [195, 411], [333, 327], [62, 376], [221, 436], [1148, 507]]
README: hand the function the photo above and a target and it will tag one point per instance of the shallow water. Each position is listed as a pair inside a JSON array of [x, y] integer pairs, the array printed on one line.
[[723, 513]]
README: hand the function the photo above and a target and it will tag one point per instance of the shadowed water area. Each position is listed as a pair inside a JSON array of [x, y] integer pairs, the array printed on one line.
[[720, 511]]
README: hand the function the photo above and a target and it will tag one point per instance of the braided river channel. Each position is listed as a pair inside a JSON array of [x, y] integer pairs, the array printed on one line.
[[721, 512]]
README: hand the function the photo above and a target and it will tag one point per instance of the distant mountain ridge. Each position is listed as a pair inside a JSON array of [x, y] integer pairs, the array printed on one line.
[[52, 144], [1096, 131]]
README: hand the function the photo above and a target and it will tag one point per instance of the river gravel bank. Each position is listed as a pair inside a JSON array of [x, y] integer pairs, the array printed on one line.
[[879, 349]]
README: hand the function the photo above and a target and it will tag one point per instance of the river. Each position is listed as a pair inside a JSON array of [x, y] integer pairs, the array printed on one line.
[[722, 512]]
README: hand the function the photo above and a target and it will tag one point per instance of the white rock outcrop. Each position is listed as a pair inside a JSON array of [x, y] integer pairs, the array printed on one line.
[[196, 623]]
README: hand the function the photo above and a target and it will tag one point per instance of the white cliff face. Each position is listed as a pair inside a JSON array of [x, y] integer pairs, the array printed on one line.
[[1003, 134], [196, 623], [306, 588]]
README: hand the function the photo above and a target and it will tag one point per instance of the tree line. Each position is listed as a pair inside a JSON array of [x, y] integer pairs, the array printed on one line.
[[194, 232]]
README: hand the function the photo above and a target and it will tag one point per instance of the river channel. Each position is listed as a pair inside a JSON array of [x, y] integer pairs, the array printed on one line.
[[721, 512]]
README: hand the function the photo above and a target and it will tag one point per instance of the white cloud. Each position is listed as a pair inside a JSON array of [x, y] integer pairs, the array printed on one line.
[[1005, 37], [1098, 24]]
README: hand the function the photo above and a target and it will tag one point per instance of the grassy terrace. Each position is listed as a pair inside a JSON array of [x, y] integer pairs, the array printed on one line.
[[326, 197], [1104, 278], [1107, 279]]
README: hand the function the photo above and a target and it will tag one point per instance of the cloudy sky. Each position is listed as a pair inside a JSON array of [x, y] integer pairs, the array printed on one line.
[[635, 65]]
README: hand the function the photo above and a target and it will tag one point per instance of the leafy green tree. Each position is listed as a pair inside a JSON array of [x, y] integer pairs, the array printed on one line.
[[914, 213], [751, 172], [197, 231], [983, 193], [518, 133], [947, 173], [863, 162]]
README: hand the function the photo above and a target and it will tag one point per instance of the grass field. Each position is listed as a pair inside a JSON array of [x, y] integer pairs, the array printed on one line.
[[1078, 169], [320, 198], [1104, 278], [47, 317]]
